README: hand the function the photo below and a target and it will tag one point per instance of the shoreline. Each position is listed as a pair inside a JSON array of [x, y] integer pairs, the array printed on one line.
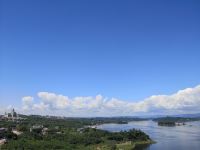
[[133, 145]]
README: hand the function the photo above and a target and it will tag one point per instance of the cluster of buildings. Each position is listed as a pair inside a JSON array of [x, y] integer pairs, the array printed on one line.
[[14, 116], [39, 129], [11, 116], [3, 138], [44, 130]]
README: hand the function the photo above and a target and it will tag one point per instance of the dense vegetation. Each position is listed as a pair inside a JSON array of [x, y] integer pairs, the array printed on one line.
[[175, 119], [69, 133], [166, 123]]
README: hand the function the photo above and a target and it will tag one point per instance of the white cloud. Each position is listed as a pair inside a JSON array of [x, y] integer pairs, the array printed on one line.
[[184, 101], [41, 106], [54, 101], [27, 102]]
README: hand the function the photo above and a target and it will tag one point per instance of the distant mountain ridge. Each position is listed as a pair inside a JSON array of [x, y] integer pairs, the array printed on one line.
[[188, 115], [196, 115]]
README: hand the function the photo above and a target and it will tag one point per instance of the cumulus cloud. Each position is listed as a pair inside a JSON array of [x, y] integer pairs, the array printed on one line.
[[53, 100], [27, 102], [184, 101]]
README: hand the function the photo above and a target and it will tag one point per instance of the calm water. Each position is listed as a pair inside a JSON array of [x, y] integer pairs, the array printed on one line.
[[168, 138]]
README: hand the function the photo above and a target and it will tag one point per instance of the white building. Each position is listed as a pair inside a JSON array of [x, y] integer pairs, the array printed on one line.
[[12, 115]]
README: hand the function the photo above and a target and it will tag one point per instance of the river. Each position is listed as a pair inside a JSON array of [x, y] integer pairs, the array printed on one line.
[[185, 137]]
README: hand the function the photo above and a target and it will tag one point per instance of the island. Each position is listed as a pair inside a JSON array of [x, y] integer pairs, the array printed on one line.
[[167, 123], [174, 121]]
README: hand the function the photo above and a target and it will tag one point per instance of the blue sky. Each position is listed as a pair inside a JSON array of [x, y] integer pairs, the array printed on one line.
[[129, 50]]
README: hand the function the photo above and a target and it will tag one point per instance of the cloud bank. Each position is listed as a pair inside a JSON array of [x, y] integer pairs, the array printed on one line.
[[184, 101]]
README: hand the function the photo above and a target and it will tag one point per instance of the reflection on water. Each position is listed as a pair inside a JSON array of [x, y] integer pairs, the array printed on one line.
[[167, 138]]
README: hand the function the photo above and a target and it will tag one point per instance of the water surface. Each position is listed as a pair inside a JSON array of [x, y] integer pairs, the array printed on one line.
[[168, 138]]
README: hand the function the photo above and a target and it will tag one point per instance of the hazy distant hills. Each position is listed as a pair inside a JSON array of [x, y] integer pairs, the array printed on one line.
[[188, 115], [144, 117], [197, 115]]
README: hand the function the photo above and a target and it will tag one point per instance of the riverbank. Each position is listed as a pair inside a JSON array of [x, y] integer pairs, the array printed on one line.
[[55, 133], [166, 137], [132, 145]]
